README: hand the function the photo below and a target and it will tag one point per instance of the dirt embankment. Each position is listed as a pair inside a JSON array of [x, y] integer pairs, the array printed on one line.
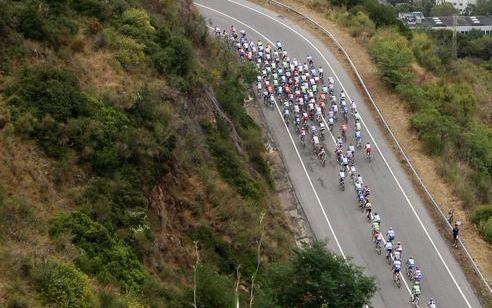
[[398, 119]]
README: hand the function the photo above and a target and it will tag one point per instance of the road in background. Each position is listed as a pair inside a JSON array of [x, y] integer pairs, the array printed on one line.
[[323, 202]]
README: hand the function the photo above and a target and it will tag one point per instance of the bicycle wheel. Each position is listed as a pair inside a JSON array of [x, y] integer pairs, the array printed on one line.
[[378, 249]]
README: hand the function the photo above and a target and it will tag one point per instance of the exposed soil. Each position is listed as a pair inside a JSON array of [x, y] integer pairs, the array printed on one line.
[[398, 117]]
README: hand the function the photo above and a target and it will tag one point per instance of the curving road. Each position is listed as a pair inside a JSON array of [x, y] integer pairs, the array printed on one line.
[[333, 214]]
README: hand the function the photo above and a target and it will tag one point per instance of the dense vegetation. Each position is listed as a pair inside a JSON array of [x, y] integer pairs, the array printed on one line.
[[133, 163], [451, 109]]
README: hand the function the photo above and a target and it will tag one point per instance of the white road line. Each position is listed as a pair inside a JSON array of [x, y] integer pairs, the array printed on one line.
[[290, 135], [375, 144]]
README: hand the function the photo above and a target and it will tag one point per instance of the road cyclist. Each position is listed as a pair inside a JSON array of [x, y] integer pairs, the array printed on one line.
[[311, 100]]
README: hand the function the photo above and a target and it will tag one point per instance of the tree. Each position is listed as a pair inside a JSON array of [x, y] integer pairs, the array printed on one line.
[[445, 9], [314, 277], [392, 55]]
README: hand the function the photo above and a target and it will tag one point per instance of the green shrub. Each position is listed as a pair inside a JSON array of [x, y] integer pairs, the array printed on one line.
[[44, 90], [393, 57], [230, 166], [213, 289], [425, 51], [176, 57], [135, 23], [105, 256], [99, 9], [482, 217], [31, 23], [321, 278], [129, 52], [64, 286], [435, 130], [482, 214]]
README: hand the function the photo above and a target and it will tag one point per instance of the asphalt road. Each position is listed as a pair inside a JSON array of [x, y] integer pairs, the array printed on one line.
[[333, 214]]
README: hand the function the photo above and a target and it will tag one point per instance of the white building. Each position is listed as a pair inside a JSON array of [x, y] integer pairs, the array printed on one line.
[[464, 24]]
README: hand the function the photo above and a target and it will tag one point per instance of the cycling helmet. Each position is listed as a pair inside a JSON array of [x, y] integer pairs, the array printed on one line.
[[375, 213], [398, 243], [410, 257], [417, 282], [391, 228], [417, 268]]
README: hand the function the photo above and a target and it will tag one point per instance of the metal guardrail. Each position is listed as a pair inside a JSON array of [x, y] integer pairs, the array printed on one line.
[[387, 127]]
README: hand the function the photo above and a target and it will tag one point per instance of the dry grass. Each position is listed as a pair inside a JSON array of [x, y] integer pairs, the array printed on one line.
[[398, 118]]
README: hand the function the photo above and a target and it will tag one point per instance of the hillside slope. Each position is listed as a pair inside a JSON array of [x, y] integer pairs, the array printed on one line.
[[116, 160]]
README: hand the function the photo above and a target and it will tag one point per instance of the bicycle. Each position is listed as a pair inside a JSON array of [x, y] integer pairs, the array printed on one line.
[[396, 279], [322, 159], [388, 257], [341, 184], [410, 273], [415, 299], [303, 142], [378, 247]]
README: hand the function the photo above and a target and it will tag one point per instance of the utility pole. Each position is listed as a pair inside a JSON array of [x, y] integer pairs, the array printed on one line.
[[454, 52]]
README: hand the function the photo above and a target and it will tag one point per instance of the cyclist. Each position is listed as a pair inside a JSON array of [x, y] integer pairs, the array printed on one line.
[[431, 303], [418, 274], [331, 122], [286, 115], [339, 141], [368, 150], [357, 125], [366, 191], [359, 179], [410, 264], [343, 129], [375, 228], [415, 291], [341, 179], [358, 138], [352, 149], [378, 238], [322, 153], [320, 72], [388, 247], [350, 157], [314, 130], [377, 219], [297, 121], [368, 212], [390, 234], [396, 267], [397, 255], [344, 162], [322, 128], [399, 248], [302, 135], [315, 142], [353, 106]]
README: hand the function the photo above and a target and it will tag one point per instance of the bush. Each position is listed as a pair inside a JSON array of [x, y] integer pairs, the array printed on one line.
[[175, 58], [321, 278], [135, 23], [393, 57], [64, 286], [213, 289], [129, 52], [46, 90], [230, 166], [105, 256], [99, 9], [482, 217], [425, 51]]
